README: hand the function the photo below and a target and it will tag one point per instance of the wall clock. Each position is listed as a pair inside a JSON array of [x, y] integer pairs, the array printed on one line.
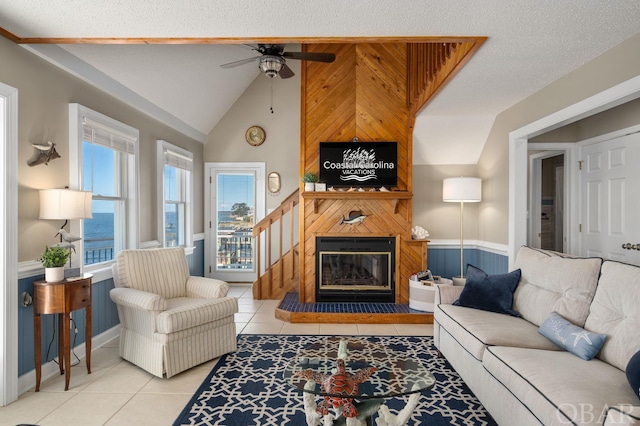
[[255, 135]]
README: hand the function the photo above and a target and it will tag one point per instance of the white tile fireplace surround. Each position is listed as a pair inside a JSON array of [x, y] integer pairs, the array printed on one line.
[[355, 269]]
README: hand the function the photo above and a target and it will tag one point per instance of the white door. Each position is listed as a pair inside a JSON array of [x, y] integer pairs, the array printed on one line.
[[610, 189], [236, 200]]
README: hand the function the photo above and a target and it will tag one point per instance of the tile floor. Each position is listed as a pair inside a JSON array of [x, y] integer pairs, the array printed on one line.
[[118, 393]]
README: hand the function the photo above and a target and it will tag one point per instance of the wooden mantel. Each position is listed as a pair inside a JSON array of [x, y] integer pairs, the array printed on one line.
[[395, 196]]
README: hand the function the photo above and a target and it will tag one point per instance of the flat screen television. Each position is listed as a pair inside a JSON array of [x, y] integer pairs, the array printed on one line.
[[359, 164]]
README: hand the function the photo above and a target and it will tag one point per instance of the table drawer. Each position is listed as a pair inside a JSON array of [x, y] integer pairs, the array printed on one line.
[[79, 294]]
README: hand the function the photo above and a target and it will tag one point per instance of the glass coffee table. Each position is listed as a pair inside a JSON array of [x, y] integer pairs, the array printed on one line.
[[353, 376]]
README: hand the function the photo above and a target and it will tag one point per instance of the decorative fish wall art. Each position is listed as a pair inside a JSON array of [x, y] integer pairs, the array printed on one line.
[[43, 154]]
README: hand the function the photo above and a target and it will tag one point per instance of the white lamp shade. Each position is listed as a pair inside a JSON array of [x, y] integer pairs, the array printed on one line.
[[63, 204], [462, 189]]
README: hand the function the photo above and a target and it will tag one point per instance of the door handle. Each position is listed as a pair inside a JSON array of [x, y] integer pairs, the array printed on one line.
[[629, 246]]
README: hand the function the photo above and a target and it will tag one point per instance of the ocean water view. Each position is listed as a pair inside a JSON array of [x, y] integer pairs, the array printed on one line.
[[98, 236], [235, 242]]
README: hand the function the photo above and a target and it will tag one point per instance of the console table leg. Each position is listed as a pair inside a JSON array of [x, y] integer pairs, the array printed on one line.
[[37, 325], [87, 338], [67, 350], [61, 343]]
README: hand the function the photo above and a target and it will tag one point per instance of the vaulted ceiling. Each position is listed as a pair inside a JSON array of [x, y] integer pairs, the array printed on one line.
[[163, 56]]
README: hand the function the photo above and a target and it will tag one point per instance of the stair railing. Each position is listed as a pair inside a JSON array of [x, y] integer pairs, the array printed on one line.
[[280, 271]]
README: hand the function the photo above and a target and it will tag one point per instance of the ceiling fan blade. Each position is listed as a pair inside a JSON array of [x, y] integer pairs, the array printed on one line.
[[286, 72], [240, 62], [311, 56]]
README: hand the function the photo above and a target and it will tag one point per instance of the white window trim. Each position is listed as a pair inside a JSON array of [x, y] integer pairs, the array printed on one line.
[[163, 145], [76, 114]]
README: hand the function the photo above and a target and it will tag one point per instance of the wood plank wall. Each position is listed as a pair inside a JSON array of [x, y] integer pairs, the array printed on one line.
[[364, 94]]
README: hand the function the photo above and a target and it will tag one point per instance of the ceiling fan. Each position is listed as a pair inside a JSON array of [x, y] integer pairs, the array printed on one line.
[[272, 59]]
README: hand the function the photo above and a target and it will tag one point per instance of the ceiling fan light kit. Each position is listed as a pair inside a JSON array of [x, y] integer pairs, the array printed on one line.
[[271, 65]]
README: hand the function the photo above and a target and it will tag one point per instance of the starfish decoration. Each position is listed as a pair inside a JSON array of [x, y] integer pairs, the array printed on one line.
[[341, 382], [581, 335]]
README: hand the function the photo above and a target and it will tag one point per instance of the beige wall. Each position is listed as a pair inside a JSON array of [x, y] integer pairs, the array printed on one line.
[[281, 149], [44, 94], [620, 117], [441, 219], [613, 67]]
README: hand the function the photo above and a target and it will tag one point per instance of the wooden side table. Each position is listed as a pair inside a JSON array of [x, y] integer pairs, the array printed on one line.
[[61, 298]]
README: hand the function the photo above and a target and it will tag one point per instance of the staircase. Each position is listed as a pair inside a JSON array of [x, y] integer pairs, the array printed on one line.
[[281, 270]]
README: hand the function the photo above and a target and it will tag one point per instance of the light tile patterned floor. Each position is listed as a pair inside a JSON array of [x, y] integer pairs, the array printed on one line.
[[118, 393]]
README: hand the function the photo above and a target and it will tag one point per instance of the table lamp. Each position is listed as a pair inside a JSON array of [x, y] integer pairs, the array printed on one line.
[[65, 204], [462, 190]]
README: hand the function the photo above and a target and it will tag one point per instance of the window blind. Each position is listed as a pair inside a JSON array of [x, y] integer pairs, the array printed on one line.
[[104, 135], [175, 159]]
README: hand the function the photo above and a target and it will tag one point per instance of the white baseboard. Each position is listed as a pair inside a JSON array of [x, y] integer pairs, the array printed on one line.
[[27, 381], [501, 249]]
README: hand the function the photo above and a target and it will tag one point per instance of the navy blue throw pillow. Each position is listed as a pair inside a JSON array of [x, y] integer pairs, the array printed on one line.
[[633, 373], [492, 293]]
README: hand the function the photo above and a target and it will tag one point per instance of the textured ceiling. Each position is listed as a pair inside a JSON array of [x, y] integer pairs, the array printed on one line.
[[531, 44]]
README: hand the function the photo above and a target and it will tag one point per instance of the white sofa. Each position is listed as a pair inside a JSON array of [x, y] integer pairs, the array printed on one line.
[[170, 321], [520, 376]]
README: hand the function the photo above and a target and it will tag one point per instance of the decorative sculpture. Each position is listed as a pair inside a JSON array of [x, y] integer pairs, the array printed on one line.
[[340, 382], [419, 233], [355, 216], [43, 154]]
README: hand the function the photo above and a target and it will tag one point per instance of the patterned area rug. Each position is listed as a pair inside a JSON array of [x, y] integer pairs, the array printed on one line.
[[246, 387]]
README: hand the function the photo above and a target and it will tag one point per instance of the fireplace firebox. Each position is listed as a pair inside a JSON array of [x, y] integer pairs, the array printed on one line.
[[350, 269]]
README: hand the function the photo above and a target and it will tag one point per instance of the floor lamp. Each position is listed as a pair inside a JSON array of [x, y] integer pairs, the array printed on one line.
[[462, 190]]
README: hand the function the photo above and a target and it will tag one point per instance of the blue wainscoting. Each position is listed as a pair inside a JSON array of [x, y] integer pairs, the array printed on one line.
[[445, 261], [104, 316]]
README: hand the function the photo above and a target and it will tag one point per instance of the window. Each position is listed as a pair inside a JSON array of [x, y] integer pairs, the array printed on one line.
[[103, 160], [175, 167]]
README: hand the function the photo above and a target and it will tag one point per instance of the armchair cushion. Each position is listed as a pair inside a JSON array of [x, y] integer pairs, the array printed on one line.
[[160, 271], [184, 313]]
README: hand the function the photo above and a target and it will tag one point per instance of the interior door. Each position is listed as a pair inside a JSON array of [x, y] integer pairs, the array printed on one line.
[[610, 187], [237, 203]]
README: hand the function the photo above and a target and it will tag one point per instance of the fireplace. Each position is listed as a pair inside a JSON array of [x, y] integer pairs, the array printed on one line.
[[350, 269]]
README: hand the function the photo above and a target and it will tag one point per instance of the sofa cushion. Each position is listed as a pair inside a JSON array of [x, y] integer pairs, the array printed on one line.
[[492, 293], [572, 338], [615, 312], [475, 329], [557, 387], [633, 373], [184, 313], [160, 271], [551, 282]]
